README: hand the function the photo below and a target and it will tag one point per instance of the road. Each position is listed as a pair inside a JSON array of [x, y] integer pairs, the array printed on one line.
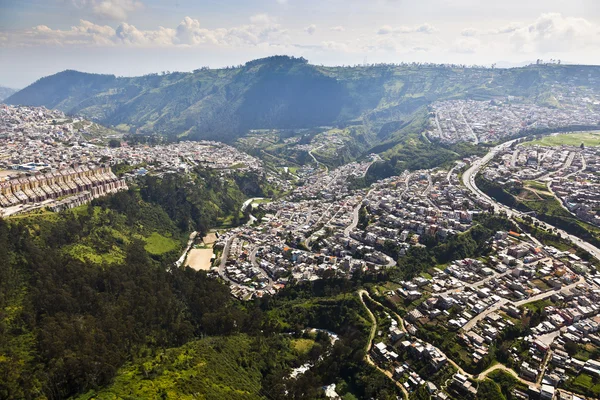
[[387, 373], [474, 284], [257, 265], [469, 182], [449, 175], [478, 377], [224, 256], [315, 160], [513, 160], [495, 307], [354, 223], [190, 242], [355, 212], [428, 190], [437, 123]]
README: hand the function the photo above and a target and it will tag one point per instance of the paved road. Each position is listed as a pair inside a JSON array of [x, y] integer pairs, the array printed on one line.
[[257, 265], [355, 212], [362, 293], [224, 256], [495, 307], [469, 182], [474, 284], [315, 160]]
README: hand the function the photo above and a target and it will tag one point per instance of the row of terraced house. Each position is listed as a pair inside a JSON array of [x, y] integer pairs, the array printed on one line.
[[56, 185]]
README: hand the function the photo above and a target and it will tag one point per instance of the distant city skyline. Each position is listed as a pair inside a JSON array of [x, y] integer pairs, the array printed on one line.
[[135, 37]]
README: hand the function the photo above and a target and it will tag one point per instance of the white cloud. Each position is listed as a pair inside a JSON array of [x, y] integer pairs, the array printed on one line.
[[555, 33], [311, 29], [261, 19], [423, 28], [261, 31], [337, 28], [115, 9], [471, 32]]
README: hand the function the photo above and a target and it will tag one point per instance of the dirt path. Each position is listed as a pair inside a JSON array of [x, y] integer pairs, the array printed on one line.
[[370, 343]]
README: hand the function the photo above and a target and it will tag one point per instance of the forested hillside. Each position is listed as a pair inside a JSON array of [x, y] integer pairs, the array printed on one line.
[[284, 92], [91, 304]]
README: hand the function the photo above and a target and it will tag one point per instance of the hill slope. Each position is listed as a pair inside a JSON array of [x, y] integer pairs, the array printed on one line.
[[6, 92], [284, 92]]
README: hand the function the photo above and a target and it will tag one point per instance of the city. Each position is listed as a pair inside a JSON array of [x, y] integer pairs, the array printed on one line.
[[303, 200]]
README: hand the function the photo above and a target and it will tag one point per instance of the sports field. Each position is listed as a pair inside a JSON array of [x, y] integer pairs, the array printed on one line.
[[570, 139]]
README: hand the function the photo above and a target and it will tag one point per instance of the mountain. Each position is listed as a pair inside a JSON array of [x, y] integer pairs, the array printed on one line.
[[6, 92], [285, 92]]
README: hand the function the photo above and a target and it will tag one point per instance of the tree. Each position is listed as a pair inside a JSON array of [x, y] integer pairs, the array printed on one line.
[[571, 347], [114, 143], [488, 390]]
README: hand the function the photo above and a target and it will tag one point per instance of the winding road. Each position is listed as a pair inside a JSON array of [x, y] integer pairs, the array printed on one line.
[[478, 377], [469, 182]]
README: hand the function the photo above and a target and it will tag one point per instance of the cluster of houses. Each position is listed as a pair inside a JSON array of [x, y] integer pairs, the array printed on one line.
[[303, 239], [404, 209], [537, 162], [38, 138], [487, 121]]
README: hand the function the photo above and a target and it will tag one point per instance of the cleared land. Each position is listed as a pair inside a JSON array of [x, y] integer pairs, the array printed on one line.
[[199, 259], [158, 244], [571, 139], [210, 238]]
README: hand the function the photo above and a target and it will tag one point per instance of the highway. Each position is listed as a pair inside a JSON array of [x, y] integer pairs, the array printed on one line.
[[469, 182]]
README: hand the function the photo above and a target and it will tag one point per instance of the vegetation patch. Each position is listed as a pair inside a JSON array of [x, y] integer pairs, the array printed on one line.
[[158, 244], [302, 346]]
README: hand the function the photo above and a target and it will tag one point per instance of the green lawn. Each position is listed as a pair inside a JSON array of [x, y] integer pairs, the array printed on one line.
[[538, 305], [537, 185], [584, 384], [572, 139], [302, 346], [158, 244]]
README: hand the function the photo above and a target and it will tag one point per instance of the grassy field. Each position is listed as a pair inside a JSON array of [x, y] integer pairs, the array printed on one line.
[[158, 244], [572, 139], [584, 384], [538, 305], [302, 346], [536, 185]]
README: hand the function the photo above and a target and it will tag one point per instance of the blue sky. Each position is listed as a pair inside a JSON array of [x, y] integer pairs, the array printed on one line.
[[132, 37]]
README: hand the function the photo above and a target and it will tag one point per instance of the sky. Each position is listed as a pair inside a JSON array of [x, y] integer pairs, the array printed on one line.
[[136, 37]]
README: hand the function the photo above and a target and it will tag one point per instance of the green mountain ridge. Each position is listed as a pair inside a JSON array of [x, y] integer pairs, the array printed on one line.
[[283, 92]]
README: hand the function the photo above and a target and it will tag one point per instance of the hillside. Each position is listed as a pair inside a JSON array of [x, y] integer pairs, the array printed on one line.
[[282, 92], [91, 306], [6, 92]]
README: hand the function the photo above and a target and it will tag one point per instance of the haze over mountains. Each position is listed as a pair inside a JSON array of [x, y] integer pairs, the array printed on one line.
[[6, 92], [283, 92]]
